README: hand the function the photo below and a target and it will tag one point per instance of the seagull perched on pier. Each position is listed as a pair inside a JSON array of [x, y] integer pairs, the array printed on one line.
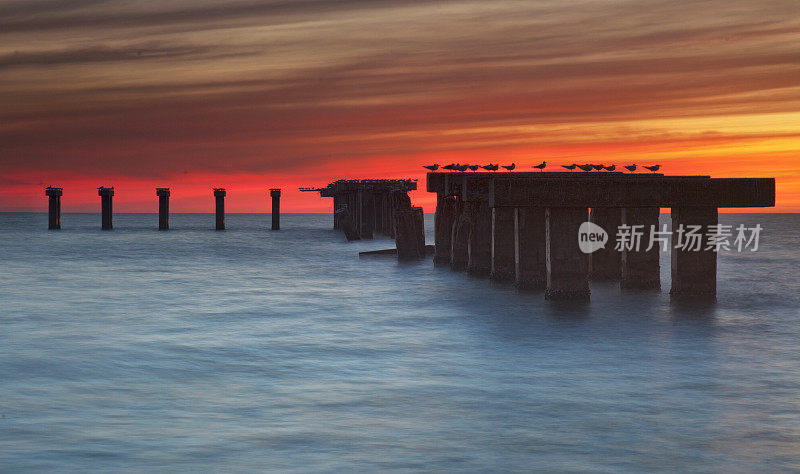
[[490, 167], [570, 167], [474, 167], [432, 167], [598, 167], [541, 166], [510, 167], [462, 167], [450, 167], [610, 168], [586, 167], [653, 168], [631, 168]]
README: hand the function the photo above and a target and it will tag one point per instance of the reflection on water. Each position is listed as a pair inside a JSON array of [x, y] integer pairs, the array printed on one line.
[[256, 350]]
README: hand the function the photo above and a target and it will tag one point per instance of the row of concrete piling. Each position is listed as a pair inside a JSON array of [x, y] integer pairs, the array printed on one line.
[[524, 227], [107, 207], [362, 208]]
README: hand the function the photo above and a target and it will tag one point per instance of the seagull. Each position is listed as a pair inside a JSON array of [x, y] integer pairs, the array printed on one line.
[[631, 168], [474, 167], [451, 166], [598, 167], [586, 167], [432, 167], [653, 168], [541, 166], [490, 167], [570, 167], [610, 168], [510, 167], [461, 167]]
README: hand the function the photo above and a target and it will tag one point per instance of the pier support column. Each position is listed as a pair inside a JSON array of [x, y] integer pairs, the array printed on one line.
[[530, 248], [480, 239], [443, 228], [219, 195], [462, 227], [54, 207], [337, 204], [567, 266], [107, 207], [640, 268], [503, 244], [163, 208], [365, 213], [410, 240], [275, 194], [606, 263], [694, 269]]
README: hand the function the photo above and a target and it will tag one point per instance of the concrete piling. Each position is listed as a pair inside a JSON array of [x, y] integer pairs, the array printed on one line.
[[219, 197], [640, 267], [54, 207], [694, 265], [503, 244], [459, 238], [275, 194], [530, 248], [410, 239], [107, 207], [606, 263], [163, 208], [443, 228], [480, 239], [567, 265]]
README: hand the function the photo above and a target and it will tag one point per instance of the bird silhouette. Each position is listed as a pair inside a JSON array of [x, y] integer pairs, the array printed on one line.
[[451, 166], [631, 167], [653, 168], [570, 167], [510, 167], [610, 168], [541, 166], [462, 167], [598, 167], [432, 167], [586, 167], [474, 167], [490, 167]]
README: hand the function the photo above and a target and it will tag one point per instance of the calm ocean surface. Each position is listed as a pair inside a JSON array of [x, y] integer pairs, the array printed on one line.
[[249, 350]]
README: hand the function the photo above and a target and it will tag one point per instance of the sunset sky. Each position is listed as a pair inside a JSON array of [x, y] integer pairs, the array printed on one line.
[[250, 95]]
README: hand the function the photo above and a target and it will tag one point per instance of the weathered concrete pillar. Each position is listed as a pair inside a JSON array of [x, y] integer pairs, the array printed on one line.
[[275, 194], [503, 244], [219, 195], [107, 207], [337, 204], [641, 269], [606, 263], [410, 240], [480, 239], [54, 207], [530, 248], [443, 228], [364, 213], [462, 227], [694, 269], [163, 208], [567, 266], [348, 224]]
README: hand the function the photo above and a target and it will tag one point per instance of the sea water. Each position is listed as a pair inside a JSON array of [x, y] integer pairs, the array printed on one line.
[[250, 350]]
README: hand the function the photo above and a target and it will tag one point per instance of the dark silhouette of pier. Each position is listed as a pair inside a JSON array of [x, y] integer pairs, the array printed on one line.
[[523, 227]]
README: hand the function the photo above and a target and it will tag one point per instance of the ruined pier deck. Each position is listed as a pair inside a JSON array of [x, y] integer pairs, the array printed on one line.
[[524, 227]]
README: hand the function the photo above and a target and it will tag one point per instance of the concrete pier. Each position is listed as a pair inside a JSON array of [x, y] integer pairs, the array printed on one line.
[[219, 197], [54, 207], [107, 207], [567, 265], [640, 267], [443, 228], [548, 209], [530, 248], [275, 194], [163, 208], [503, 238], [606, 263], [693, 266]]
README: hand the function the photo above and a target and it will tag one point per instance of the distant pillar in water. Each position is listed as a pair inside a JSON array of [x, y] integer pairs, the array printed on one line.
[[219, 194], [54, 210], [275, 193], [106, 196], [163, 208], [641, 269], [567, 266], [694, 262]]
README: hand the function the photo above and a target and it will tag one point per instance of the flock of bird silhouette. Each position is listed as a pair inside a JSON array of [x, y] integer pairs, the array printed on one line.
[[540, 167]]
